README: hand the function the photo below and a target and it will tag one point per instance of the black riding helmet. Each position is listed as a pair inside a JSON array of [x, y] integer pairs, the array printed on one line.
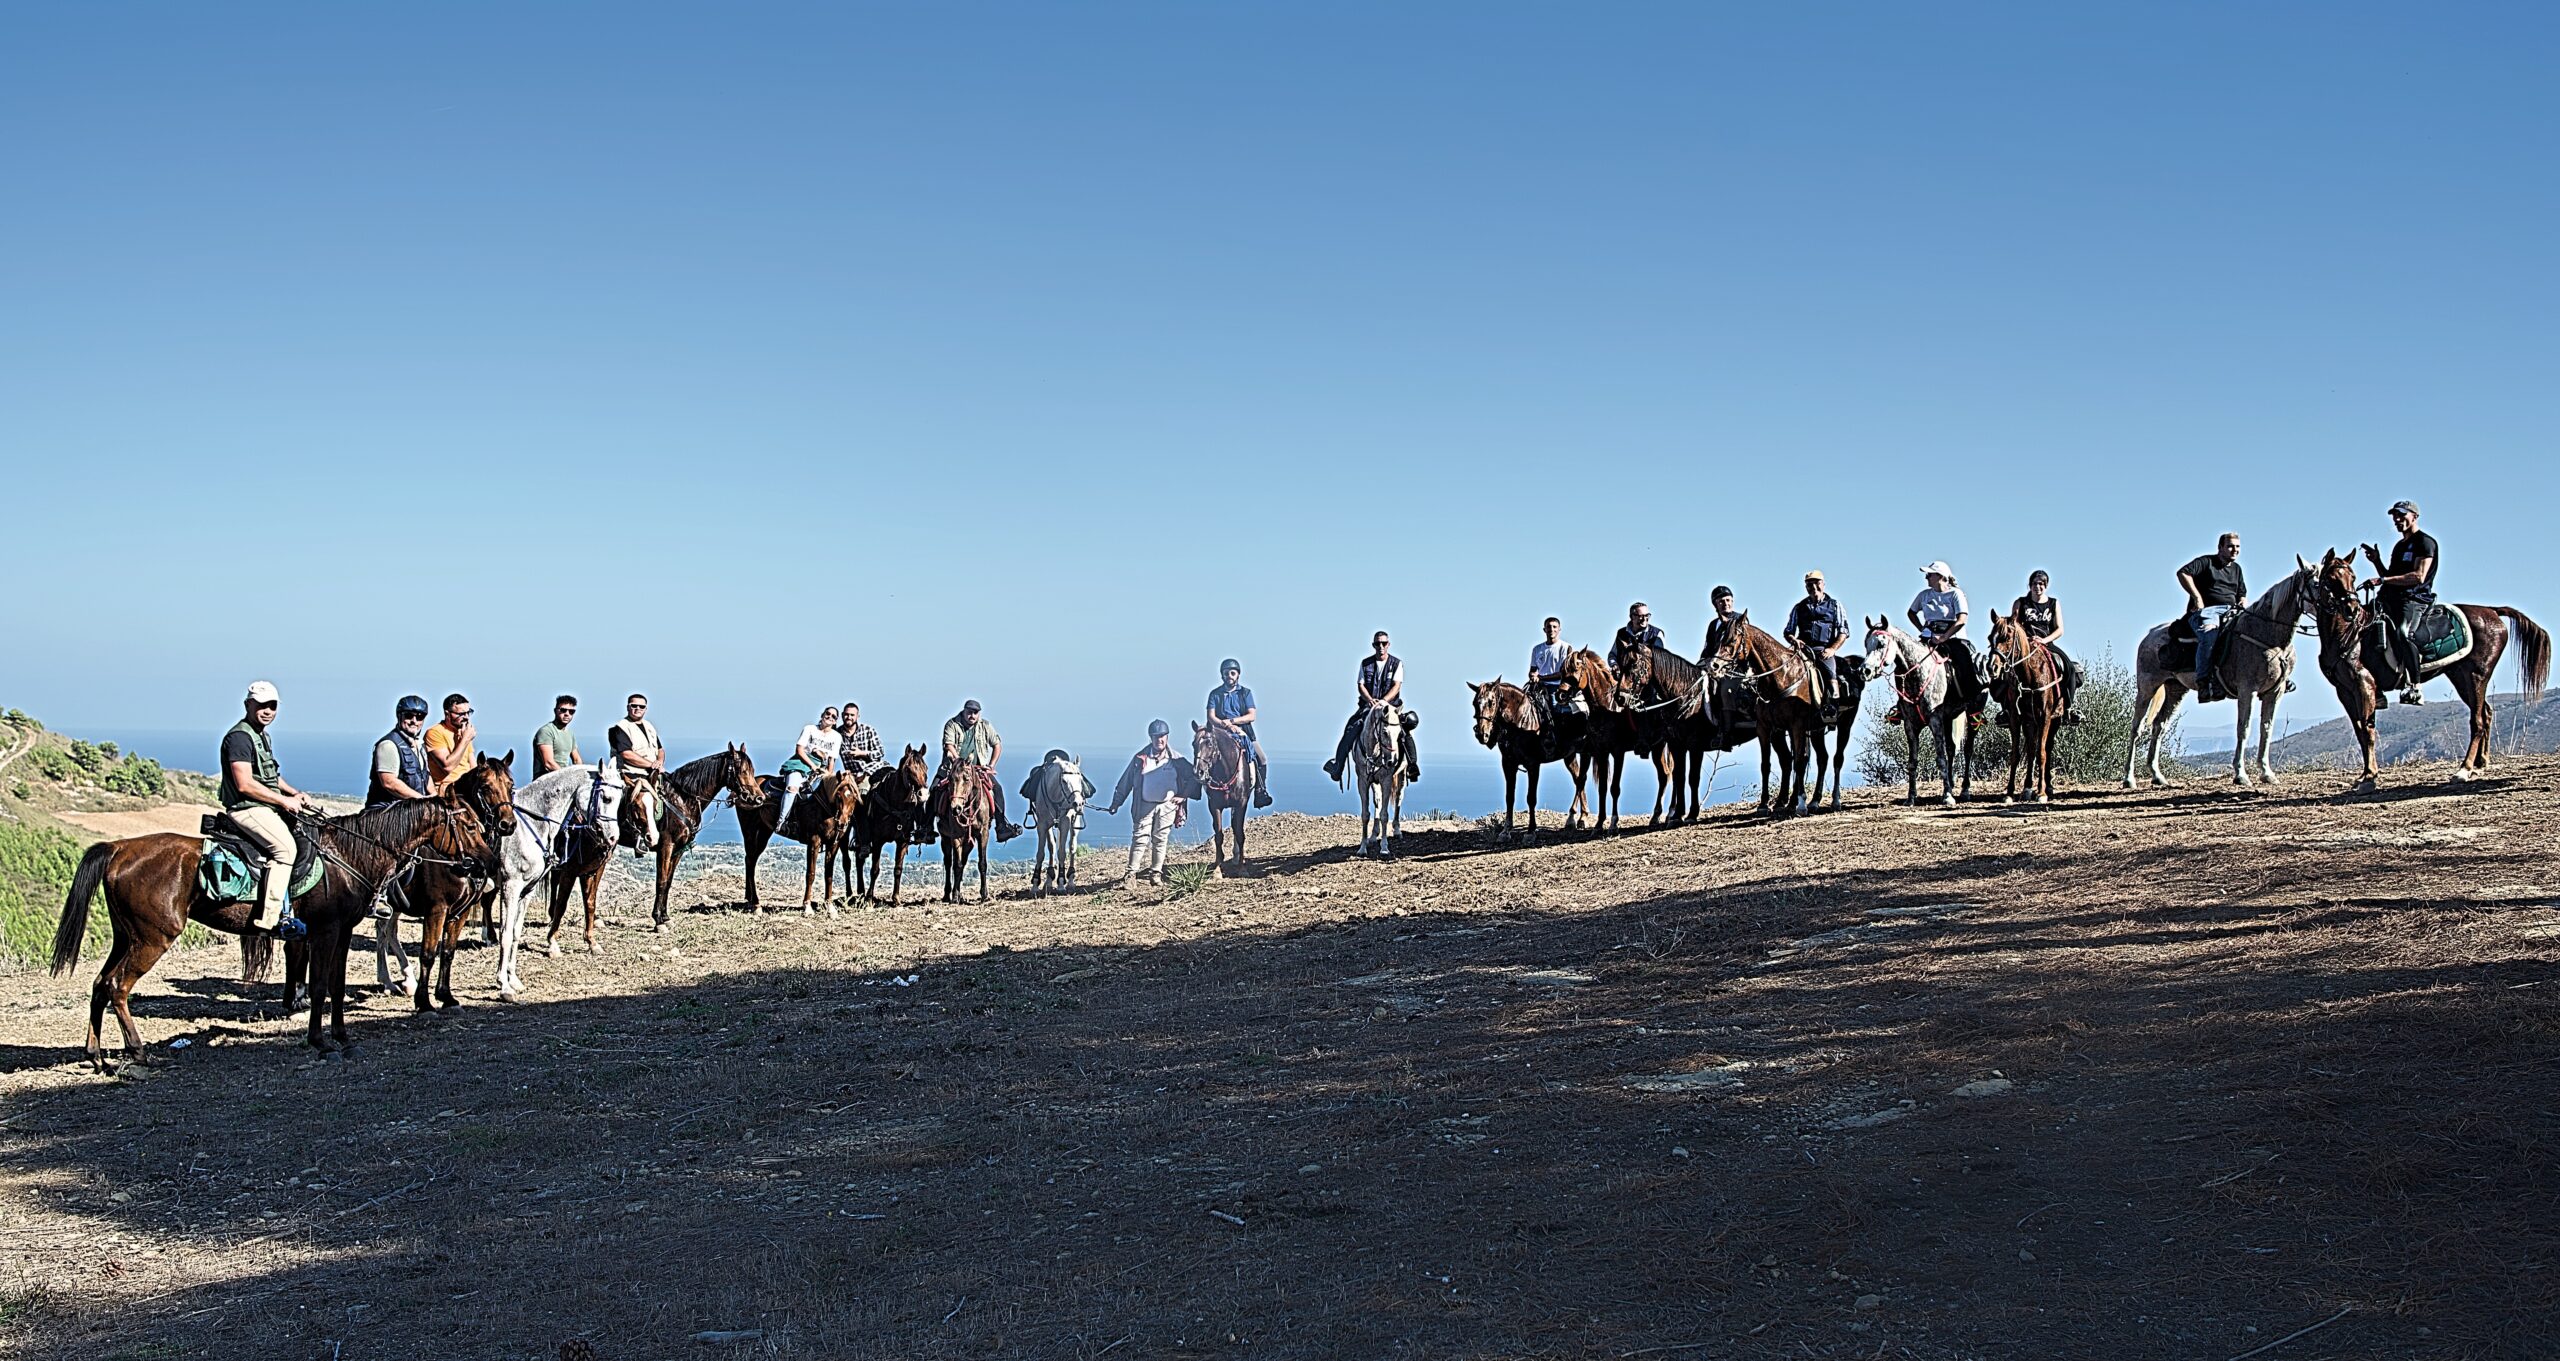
[[411, 706]]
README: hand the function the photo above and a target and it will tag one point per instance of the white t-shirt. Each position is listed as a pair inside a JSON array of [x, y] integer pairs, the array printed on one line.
[[1157, 779], [1936, 607], [822, 744]]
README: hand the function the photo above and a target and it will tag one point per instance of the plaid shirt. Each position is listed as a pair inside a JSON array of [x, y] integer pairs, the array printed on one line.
[[861, 748]]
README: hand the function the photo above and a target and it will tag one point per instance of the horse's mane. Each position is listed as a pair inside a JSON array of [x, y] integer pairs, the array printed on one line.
[[366, 840], [700, 779]]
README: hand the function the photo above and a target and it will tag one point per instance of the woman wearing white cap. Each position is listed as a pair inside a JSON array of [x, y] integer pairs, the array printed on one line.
[[1940, 613], [256, 798]]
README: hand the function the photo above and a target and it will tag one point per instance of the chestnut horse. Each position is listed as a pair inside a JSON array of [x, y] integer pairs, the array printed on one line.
[[1785, 709], [1226, 787], [894, 812], [684, 795], [150, 883], [2344, 617], [2024, 675], [831, 802], [1509, 722], [964, 808]]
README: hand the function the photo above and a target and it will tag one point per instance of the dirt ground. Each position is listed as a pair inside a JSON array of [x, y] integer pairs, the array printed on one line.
[[168, 817], [2168, 1074]]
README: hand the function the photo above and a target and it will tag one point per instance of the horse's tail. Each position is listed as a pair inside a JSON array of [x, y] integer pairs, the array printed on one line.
[[257, 956], [74, 928], [2537, 650]]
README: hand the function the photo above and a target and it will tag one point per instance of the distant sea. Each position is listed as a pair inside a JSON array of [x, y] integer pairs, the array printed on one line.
[[1468, 783]]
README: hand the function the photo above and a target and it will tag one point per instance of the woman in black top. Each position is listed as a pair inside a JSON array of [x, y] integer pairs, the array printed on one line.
[[2041, 615]]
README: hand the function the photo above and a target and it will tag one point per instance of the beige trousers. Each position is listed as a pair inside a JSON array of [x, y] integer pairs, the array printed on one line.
[[266, 826], [1150, 836]]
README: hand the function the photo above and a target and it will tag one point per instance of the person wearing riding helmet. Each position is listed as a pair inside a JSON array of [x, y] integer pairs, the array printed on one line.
[[1720, 622], [813, 754], [1231, 708], [1940, 612], [256, 799], [400, 757], [1159, 782], [2040, 614]]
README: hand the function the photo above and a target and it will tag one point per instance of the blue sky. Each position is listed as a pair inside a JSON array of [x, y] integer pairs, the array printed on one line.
[[761, 356]]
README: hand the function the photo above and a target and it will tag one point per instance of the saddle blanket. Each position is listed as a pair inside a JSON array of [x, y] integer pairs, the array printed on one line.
[[228, 867], [2443, 637]]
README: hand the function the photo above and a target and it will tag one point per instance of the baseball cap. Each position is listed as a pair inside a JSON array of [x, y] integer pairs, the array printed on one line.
[[970, 707], [2399, 506], [262, 692]]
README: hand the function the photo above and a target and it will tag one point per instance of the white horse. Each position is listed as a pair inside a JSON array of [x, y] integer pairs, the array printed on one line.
[[553, 815], [2257, 661], [1923, 684], [1059, 792], [1378, 759]]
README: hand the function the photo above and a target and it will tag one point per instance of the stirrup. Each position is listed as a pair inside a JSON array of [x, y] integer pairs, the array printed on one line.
[[2412, 697], [288, 927]]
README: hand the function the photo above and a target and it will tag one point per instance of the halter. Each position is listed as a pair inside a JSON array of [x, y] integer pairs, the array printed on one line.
[[2005, 662]]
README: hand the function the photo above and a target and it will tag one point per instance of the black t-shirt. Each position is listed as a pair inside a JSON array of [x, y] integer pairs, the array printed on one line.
[[2040, 620], [2220, 582], [2405, 557]]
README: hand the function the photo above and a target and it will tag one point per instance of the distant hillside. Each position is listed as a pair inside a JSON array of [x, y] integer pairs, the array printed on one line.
[[2435, 731]]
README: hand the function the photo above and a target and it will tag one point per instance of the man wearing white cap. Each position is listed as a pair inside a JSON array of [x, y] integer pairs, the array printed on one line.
[[2405, 591], [256, 798], [1940, 612]]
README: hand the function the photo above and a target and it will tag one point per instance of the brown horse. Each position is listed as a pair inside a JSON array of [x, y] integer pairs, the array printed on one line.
[[894, 812], [1510, 723], [964, 808], [150, 882], [2025, 676], [684, 795], [1786, 710], [2344, 619], [443, 894], [1658, 690], [1226, 787], [826, 811]]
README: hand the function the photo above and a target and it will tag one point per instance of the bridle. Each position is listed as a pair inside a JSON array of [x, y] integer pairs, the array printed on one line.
[[445, 814]]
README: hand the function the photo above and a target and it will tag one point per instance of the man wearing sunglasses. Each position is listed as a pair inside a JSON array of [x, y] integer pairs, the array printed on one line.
[[554, 746], [1380, 686], [450, 744], [256, 799], [400, 757]]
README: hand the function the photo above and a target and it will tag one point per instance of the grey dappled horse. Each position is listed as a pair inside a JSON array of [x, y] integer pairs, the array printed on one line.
[[2258, 661], [1059, 792], [573, 797], [1378, 759], [1924, 684]]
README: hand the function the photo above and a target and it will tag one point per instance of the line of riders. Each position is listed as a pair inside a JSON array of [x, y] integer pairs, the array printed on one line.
[[415, 760]]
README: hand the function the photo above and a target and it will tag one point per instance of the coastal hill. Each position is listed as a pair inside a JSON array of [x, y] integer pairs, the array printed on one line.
[[2435, 731]]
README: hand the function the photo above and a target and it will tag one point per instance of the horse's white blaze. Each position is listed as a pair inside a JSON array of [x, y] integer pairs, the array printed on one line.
[[1379, 758]]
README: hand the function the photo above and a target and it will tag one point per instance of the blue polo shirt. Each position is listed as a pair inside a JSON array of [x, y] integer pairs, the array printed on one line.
[[1231, 702]]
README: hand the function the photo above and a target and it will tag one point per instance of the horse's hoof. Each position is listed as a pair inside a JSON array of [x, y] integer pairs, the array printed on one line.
[[550, 949], [448, 1001], [1947, 801]]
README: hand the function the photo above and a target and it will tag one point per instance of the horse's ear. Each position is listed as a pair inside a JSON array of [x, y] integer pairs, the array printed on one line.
[[2305, 566], [1473, 688], [1197, 725]]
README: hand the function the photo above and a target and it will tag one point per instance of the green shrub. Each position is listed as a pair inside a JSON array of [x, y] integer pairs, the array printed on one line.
[[91, 757], [36, 864], [2091, 753], [139, 776], [52, 764]]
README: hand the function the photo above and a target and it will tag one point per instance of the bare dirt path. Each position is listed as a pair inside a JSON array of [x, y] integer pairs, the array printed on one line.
[[2170, 1074]]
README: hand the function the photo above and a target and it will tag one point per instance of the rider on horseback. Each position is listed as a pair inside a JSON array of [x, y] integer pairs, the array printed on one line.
[[2405, 592], [399, 761], [1818, 631], [1637, 632], [1721, 623], [1381, 686], [860, 752], [253, 792], [1550, 668], [969, 739], [813, 754], [1231, 708], [2216, 591], [2040, 614], [1940, 613]]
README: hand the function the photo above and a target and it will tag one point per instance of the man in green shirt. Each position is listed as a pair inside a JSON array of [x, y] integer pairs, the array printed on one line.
[[969, 739], [256, 799], [554, 746]]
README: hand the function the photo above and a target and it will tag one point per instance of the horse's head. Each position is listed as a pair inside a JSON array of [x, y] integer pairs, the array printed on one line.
[[1500, 704], [608, 792], [489, 788], [1591, 674], [1734, 644], [912, 770], [738, 772], [1882, 649], [2008, 646]]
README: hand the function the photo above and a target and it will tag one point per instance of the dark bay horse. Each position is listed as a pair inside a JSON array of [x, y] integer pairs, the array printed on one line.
[[1226, 787], [150, 883], [1509, 722], [1786, 713], [825, 812], [2344, 619], [684, 795], [1657, 691], [441, 894], [894, 812], [964, 808], [2024, 675]]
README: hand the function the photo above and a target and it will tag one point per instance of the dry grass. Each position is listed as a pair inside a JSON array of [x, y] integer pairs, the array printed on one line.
[[2268, 1055]]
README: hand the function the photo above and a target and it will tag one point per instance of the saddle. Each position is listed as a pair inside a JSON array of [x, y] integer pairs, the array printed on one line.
[[229, 866], [805, 818], [2443, 637]]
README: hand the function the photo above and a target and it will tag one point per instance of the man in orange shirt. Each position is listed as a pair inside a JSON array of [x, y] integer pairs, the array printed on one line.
[[450, 744]]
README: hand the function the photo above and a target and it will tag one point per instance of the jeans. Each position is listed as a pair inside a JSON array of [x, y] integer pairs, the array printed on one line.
[[2208, 624], [2407, 611], [790, 795], [266, 827], [1151, 835]]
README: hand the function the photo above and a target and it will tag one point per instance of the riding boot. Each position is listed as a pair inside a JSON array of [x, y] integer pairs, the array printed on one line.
[[1006, 828], [1261, 781], [1412, 766]]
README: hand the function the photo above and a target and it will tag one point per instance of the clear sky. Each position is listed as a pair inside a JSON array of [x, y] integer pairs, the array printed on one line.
[[757, 356]]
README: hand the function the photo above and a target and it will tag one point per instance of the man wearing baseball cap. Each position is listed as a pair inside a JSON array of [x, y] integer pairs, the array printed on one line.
[[1817, 630], [1231, 708], [256, 799], [969, 739], [2405, 591]]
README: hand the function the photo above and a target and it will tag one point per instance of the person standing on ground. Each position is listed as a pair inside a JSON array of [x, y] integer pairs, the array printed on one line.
[[451, 744], [1157, 781], [256, 799], [400, 758], [554, 746]]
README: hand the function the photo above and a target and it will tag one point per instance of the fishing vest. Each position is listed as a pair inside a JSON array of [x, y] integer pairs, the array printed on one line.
[[262, 765], [413, 769]]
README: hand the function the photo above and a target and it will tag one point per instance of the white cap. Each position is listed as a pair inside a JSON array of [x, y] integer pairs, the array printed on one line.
[[1939, 568], [262, 692]]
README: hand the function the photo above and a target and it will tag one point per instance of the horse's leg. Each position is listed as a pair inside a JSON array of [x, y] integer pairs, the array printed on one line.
[[2240, 739], [560, 886], [124, 968], [1533, 798], [2145, 716], [1511, 796], [2267, 730], [809, 879], [755, 839], [430, 931], [982, 866], [511, 893], [898, 874], [340, 941], [386, 943], [1760, 723], [317, 949], [1942, 735], [667, 853]]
